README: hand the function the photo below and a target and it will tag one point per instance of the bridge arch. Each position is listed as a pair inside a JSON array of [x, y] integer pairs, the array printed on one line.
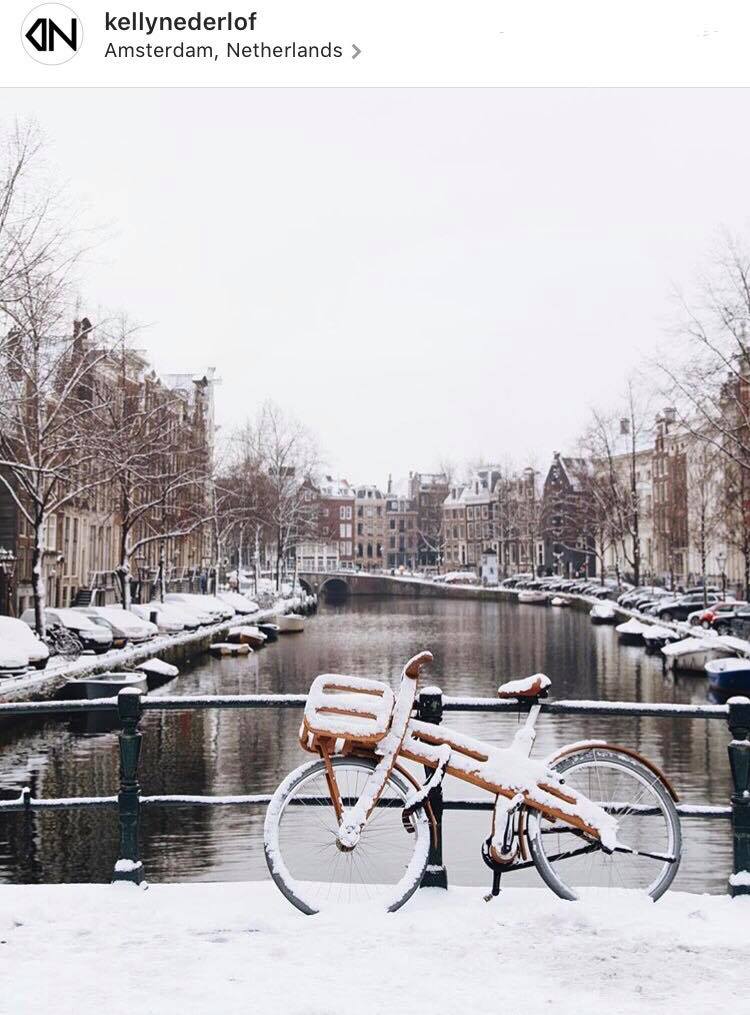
[[334, 587]]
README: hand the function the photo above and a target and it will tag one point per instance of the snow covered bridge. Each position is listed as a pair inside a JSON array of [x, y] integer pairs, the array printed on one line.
[[368, 583]]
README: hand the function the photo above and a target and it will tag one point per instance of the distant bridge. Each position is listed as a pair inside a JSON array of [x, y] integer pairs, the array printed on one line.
[[368, 583]]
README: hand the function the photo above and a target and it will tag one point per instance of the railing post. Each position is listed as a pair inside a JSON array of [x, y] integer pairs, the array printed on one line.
[[430, 709], [129, 866], [739, 761]]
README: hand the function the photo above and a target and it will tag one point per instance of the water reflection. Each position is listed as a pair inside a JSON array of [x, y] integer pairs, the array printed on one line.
[[476, 646]]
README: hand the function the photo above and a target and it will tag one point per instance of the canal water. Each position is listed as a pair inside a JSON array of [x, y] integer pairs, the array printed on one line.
[[476, 645]]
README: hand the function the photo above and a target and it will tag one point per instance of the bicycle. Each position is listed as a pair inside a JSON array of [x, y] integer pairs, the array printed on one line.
[[356, 824], [62, 642]]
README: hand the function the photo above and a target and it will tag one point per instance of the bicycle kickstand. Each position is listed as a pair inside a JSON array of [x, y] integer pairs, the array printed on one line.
[[496, 875]]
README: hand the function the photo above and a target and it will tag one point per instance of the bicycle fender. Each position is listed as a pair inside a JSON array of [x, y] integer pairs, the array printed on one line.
[[586, 745]]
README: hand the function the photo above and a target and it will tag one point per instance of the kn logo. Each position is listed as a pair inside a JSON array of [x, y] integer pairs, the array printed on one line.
[[52, 33]]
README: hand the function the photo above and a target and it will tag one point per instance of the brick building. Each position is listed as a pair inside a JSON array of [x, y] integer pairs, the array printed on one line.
[[428, 491], [338, 504], [81, 540]]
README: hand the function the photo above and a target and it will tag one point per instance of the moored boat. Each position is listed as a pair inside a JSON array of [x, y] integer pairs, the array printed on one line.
[[246, 635], [631, 632], [656, 637], [728, 676], [157, 672], [289, 623], [104, 685], [692, 654], [224, 648], [603, 613], [559, 601], [533, 596], [271, 631]]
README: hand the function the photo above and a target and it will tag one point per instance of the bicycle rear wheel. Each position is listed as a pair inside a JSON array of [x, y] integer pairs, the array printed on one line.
[[648, 830], [301, 841]]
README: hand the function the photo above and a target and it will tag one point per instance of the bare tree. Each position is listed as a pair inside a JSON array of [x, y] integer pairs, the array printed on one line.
[[703, 501], [709, 375], [735, 511], [154, 441], [614, 442], [288, 456]]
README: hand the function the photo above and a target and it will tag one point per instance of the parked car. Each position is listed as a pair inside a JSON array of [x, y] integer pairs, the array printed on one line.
[[217, 610], [91, 636], [15, 635], [717, 611], [679, 609], [736, 623], [237, 602], [642, 592], [13, 661], [123, 625], [169, 619]]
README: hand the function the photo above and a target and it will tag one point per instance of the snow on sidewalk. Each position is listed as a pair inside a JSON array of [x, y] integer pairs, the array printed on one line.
[[217, 949]]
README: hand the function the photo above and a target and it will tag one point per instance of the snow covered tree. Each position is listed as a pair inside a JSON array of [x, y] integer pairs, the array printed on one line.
[[154, 442], [47, 402]]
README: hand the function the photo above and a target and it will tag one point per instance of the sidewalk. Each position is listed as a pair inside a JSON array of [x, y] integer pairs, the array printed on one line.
[[201, 949]]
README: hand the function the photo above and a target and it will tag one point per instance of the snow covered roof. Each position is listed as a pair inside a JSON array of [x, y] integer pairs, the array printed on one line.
[[336, 488]]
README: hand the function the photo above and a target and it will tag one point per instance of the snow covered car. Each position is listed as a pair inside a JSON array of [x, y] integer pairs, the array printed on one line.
[[208, 604], [678, 609], [718, 611], [170, 619], [91, 636], [13, 661], [123, 625], [15, 636], [237, 602]]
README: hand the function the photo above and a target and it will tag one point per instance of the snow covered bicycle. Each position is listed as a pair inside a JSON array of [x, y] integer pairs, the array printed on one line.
[[356, 824]]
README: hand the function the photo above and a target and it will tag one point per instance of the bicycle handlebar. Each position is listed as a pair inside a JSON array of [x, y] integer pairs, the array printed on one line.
[[415, 664]]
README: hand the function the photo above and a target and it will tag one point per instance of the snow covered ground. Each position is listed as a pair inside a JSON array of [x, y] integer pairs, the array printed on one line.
[[226, 948]]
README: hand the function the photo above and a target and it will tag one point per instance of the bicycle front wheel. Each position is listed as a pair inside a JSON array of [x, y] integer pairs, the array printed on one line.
[[301, 841], [648, 829]]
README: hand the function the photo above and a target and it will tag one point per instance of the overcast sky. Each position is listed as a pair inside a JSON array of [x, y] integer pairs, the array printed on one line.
[[419, 275]]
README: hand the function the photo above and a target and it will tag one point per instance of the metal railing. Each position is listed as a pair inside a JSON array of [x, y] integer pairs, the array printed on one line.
[[431, 705]]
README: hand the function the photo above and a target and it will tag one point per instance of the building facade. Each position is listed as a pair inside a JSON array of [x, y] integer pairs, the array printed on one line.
[[370, 532], [428, 491], [81, 540], [401, 532]]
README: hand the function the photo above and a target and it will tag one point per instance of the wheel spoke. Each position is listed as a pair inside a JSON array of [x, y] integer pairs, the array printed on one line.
[[315, 867], [648, 851]]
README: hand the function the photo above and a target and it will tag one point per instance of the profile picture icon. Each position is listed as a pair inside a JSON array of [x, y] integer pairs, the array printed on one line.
[[52, 33]]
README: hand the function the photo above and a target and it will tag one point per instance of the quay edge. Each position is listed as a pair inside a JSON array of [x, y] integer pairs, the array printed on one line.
[[180, 650]]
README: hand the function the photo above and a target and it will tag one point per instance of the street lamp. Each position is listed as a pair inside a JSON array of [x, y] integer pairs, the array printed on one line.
[[7, 570], [721, 561]]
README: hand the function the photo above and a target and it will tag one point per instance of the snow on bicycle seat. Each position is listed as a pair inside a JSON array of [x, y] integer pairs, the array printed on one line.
[[349, 708], [529, 687]]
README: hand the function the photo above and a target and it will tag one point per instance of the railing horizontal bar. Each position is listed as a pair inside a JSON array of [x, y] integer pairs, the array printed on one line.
[[601, 708], [191, 799], [450, 704], [15, 708], [684, 810], [57, 804], [261, 799], [225, 701]]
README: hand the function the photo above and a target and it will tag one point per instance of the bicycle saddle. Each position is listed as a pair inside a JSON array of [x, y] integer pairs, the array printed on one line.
[[528, 687]]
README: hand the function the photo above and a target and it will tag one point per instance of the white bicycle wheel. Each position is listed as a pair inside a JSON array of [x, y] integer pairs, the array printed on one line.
[[648, 829], [301, 841]]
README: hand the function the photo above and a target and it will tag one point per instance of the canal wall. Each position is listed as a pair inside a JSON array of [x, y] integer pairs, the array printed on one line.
[[179, 650]]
